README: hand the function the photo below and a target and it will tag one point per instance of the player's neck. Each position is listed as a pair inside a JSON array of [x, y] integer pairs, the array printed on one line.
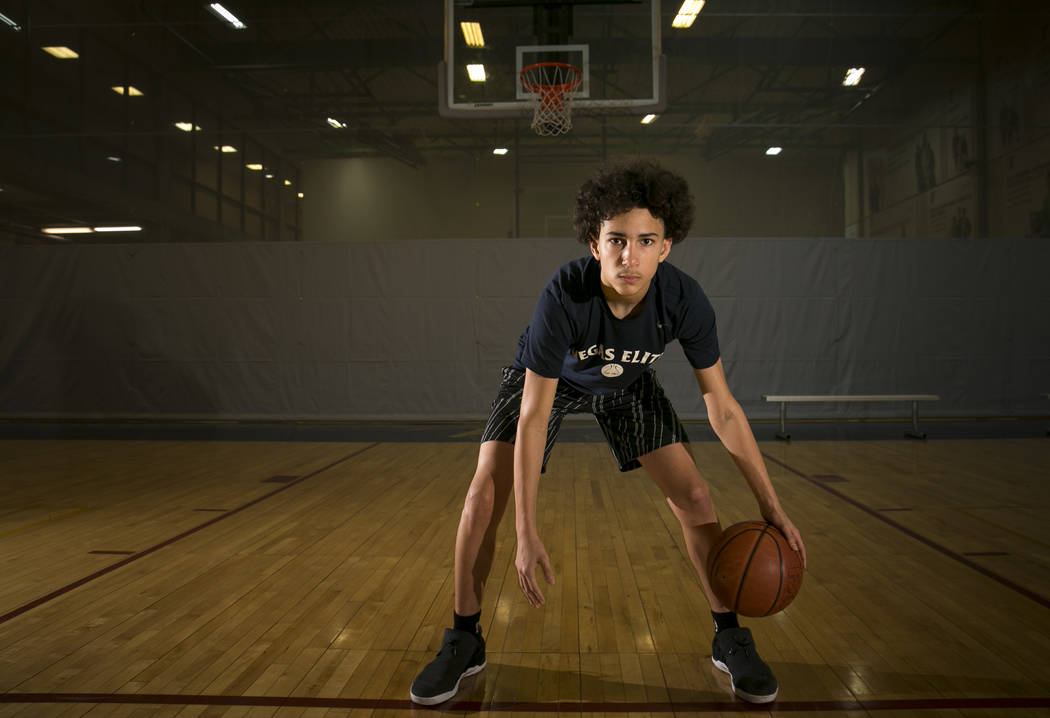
[[625, 307]]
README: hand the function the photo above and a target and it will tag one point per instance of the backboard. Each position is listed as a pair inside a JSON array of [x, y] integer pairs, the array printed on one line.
[[615, 45]]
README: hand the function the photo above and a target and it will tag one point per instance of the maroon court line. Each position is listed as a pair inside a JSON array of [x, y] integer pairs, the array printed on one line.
[[142, 554], [731, 706], [1016, 587]]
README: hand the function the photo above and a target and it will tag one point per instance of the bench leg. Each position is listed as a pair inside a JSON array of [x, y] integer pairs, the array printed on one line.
[[782, 434], [915, 433]]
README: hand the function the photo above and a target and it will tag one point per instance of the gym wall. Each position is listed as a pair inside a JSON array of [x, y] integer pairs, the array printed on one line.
[[418, 329]]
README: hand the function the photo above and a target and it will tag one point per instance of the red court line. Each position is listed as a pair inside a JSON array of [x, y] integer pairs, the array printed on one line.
[[1016, 587], [725, 706], [163, 544]]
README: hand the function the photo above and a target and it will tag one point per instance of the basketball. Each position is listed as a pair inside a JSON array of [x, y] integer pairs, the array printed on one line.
[[753, 570]]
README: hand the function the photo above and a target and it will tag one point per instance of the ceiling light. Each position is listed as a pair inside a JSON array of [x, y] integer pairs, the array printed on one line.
[[9, 22], [254, 166], [114, 158], [648, 119], [472, 34], [225, 148], [476, 73], [853, 76], [287, 183], [132, 91], [67, 230], [226, 15], [687, 13], [336, 123], [773, 151], [269, 175], [126, 228], [188, 126], [500, 151], [300, 195], [61, 52]]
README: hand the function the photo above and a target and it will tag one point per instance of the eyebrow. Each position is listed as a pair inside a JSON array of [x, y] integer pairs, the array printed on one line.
[[624, 234]]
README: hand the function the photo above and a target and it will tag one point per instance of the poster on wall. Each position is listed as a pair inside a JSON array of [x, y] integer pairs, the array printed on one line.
[[959, 135], [1022, 182], [1019, 148], [951, 209]]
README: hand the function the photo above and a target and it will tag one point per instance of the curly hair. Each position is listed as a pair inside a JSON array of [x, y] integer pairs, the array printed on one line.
[[621, 188]]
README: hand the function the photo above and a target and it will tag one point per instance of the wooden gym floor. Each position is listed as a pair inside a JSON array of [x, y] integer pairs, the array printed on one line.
[[240, 578]]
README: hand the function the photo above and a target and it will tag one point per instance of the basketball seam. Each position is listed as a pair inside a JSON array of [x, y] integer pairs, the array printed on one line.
[[747, 567], [780, 579], [712, 560]]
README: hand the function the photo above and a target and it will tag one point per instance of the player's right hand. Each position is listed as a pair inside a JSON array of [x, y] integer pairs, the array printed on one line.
[[530, 553]]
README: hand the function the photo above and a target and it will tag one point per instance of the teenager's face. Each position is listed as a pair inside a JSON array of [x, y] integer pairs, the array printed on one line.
[[630, 246]]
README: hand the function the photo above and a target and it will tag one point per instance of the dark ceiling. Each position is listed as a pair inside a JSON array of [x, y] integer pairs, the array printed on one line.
[[748, 73]]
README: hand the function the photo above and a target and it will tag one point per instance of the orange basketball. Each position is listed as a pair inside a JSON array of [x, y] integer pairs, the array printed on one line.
[[753, 570]]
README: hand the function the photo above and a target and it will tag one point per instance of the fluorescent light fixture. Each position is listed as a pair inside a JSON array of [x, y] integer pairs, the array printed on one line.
[[227, 149], [853, 76], [254, 166], [61, 52], [500, 151], [648, 119], [67, 230], [472, 34], [476, 73], [132, 91], [9, 22], [774, 151], [336, 123], [226, 15], [300, 195], [114, 158], [269, 175], [188, 126], [125, 228], [687, 13], [287, 183]]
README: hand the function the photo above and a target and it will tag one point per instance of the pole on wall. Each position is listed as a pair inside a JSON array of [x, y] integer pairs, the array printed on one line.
[[980, 116]]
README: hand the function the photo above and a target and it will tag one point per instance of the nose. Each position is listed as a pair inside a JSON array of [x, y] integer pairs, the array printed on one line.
[[628, 257]]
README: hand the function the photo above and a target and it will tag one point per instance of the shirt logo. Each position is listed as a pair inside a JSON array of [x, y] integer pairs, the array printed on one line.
[[612, 370]]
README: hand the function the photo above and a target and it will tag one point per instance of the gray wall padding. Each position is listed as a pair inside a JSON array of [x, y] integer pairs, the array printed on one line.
[[418, 329]]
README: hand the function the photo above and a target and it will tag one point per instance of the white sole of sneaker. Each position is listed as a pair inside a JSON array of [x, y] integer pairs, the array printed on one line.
[[743, 694], [441, 698]]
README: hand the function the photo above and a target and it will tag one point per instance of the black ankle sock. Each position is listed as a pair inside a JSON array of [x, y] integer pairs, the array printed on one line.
[[724, 620], [470, 624]]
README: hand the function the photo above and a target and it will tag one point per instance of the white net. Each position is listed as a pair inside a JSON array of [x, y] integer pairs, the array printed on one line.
[[552, 83]]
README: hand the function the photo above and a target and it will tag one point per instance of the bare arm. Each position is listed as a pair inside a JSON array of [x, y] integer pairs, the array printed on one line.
[[536, 401], [733, 430]]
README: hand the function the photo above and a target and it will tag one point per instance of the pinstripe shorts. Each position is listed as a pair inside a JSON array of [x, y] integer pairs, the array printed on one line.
[[635, 420]]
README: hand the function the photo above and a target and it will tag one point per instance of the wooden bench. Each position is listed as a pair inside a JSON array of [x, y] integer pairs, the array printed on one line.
[[785, 399]]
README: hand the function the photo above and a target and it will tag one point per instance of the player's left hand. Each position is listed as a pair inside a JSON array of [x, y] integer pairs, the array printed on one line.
[[782, 522]]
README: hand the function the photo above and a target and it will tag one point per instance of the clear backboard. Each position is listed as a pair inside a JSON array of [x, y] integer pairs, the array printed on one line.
[[615, 46]]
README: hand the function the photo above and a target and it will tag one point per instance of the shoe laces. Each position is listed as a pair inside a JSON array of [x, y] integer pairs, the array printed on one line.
[[450, 647]]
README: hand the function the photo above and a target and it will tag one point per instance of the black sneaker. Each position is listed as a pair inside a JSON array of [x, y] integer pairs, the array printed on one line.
[[462, 654], [733, 651]]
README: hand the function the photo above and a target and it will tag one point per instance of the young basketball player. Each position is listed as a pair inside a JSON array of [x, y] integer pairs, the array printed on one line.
[[599, 325]]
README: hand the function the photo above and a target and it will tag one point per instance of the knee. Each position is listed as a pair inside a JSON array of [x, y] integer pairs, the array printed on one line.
[[481, 497], [694, 504]]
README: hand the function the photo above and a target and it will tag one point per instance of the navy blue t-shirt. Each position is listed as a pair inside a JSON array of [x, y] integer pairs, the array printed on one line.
[[575, 336]]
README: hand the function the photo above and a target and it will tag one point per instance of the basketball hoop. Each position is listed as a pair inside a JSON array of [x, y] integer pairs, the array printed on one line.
[[552, 83]]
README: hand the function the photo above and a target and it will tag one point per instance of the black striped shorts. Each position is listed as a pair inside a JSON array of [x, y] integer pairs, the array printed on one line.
[[635, 420]]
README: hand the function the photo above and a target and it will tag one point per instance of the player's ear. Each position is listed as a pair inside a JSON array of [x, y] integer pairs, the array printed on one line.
[[666, 249], [593, 244]]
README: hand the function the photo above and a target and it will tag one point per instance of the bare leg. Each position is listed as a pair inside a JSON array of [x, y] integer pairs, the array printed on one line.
[[482, 510], [674, 471]]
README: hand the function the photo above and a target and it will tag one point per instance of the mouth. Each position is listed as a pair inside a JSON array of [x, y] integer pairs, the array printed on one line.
[[630, 278]]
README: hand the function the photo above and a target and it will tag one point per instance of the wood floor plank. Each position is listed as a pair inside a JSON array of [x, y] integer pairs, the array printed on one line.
[[924, 561]]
